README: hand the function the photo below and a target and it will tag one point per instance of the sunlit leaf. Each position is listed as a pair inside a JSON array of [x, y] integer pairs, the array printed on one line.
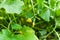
[[45, 15], [12, 6], [16, 26]]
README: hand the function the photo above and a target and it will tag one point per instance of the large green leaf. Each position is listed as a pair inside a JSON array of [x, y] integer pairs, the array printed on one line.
[[12, 6], [45, 15], [28, 30], [27, 34]]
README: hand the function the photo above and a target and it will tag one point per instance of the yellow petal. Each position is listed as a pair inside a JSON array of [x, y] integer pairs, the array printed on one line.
[[29, 20]]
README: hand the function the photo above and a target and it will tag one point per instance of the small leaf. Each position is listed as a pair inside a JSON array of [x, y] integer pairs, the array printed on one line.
[[40, 2], [16, 26], [57, 12], [58, 22], [28, 15], [51, 3], [43, 32]]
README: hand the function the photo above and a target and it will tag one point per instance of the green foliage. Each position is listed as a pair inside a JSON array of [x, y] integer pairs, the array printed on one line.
[[26, 33], [45, 15], [29, 19], [12, 6], [16, 27], [40, 2]]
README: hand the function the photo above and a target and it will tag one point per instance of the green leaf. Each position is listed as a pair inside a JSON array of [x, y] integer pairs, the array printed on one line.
[[27, 34], [57, 11], [58, 5], [16, 26], [45, 15], [43, 32], [19, 37], [2, 37], [5, 34], [28, 15], [58, 22], [30, 37], [51, 3], [40, 2], [12, 6], [27, 30]]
